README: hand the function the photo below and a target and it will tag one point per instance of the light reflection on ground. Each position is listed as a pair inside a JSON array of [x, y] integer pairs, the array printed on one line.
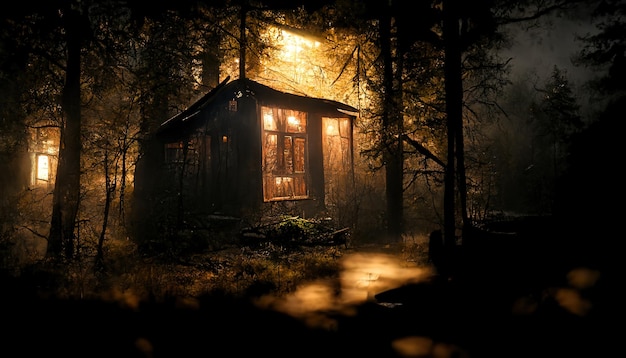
[[362, 276], [365, 274]]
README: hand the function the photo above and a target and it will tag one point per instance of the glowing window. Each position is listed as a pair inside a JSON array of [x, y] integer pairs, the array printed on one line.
[[284, 154], [337, 151], [43, 167]]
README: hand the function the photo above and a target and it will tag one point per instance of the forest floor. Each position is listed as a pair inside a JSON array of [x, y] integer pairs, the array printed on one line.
[[494, 299]]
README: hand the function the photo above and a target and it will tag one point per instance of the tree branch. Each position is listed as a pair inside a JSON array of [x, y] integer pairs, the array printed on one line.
[[420, 148]]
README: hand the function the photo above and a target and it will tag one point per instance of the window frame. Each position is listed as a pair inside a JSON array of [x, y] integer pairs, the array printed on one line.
[[285, 165]]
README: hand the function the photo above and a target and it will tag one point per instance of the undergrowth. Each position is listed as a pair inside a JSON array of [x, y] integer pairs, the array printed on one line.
[[276, 260]]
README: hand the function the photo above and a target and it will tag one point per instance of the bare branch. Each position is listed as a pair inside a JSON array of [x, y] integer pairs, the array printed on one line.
[[423, 150]]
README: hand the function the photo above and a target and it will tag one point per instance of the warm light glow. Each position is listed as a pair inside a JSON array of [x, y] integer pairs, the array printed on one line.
[[225, 139], [43, 164], [367, 279], [362, 276], [366, 274], [281, 180], [196, 72], [293, 121], [414, 346], [294, 45], [332, 130], [302, 61], [268, 121]]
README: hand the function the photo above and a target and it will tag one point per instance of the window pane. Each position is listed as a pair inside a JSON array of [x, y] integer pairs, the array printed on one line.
[[42, 167], [332, 128], [345, 127], [269, 123], [336, 148], [299, 186], [270, 153], [299, 155], [288, 155], [296, 121], [284, 187]]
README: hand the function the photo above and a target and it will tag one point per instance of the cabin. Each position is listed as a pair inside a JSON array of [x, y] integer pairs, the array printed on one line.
[[247, 148]]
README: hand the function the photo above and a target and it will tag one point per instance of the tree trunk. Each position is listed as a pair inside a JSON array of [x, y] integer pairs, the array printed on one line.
[[145, 194], [392, 140], [66, 194], [454, 105], [459, 132], [110, 189], [122, 211], [146, 208]]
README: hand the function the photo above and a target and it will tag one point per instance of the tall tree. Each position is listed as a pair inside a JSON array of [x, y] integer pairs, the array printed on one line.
[[454, 110], [555, 120], [590, 186], [391, 28], [76, 24], [60, 34], [464, 25], [605, 50], [66, 195], [56, 30], [13, 136], [392, 125]]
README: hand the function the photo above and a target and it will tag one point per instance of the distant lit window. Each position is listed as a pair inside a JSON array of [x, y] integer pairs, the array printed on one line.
[[284, 154], [43, 167], [232, 106]]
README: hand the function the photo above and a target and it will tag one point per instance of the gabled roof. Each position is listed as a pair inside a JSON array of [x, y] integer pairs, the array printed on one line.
[[226, 91]]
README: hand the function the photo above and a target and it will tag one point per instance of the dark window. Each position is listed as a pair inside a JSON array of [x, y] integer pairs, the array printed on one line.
[[174, 153]]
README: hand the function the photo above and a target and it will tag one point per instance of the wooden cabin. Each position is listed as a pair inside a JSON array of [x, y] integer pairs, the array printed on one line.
[[245, 147]]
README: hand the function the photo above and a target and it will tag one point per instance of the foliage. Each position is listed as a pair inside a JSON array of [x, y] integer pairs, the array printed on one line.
[[130, 276], [605, 48], [294, 231]]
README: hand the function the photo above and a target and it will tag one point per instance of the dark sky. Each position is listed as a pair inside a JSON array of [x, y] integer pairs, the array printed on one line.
[[539, 49], [554, 42]]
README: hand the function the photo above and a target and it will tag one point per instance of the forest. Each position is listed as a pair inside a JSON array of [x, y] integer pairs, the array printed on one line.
[[451, 187]]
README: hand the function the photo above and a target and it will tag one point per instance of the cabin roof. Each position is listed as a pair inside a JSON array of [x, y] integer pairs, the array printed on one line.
[[266, 95]]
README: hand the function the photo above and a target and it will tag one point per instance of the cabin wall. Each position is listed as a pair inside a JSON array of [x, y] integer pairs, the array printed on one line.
[[222, 171], [234, 159], [248, 176]]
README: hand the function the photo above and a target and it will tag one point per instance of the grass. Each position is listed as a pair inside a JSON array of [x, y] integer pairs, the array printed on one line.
[[233, 270]]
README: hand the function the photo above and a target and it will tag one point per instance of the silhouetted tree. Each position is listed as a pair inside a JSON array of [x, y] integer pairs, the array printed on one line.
[[555, 119], [13, 137], [465, 24], [605, 50], [78, 23], [389, 33], [61, 239], [587, 191], [13, 134]]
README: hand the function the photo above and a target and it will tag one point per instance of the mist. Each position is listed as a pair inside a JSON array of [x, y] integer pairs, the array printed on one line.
[[553, 41]]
